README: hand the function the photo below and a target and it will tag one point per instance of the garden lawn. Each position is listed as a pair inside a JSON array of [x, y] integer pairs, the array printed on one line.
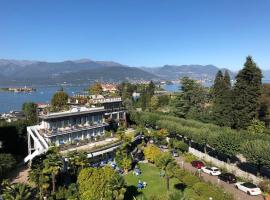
[[156, 185]]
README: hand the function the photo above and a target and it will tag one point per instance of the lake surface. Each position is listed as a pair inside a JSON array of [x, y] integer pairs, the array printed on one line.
[[13, 101]]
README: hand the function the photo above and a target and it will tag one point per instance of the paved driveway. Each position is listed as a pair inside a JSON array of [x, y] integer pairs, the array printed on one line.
[[238, 195]]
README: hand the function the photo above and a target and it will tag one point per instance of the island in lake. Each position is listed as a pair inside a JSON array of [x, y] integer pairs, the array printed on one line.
[[13, 89]]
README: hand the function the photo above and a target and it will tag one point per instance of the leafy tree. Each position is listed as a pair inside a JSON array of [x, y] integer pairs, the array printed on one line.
[[166, 163], [100, 183], [7, 162], [178, 145], [16, 191], [257, 152], [30, 111], [246, 94], [52, 165], [95, 89], [59, 101], [228, 143], [151, 152]]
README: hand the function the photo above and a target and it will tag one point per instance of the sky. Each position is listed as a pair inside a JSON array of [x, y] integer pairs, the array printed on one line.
[[137, 32]]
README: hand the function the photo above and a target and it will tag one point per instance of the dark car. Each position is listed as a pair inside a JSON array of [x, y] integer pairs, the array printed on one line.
[[228, 177], [197, 164]]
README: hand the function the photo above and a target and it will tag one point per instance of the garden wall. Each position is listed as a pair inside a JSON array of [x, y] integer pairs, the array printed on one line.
[[229, 167]]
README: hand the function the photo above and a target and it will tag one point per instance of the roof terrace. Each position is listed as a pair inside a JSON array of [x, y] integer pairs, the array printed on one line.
[[72, 112]]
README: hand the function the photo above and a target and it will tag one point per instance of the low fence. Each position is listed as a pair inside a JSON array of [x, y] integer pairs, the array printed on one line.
[[229, 167]]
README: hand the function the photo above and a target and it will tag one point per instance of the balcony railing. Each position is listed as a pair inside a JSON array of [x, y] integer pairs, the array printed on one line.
[[115, 109], [71, 129]]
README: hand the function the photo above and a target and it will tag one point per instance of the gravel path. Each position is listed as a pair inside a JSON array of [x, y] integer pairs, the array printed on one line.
[[238, 195]]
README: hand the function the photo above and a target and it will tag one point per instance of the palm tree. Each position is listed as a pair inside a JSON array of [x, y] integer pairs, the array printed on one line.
[[16, 191], [52, 165], [77, 160], [41, 180], [116, 187], [166, 163]]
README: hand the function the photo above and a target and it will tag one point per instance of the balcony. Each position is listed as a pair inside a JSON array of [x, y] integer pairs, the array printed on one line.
[[71, 129], [115, 109]]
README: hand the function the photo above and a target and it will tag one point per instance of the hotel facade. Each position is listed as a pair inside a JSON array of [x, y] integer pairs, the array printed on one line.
[[79, 124]]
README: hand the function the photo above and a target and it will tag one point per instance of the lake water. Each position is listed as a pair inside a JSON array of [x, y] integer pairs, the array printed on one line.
[[13, 101]]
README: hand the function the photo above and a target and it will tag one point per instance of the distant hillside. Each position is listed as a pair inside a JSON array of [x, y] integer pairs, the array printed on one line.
[[78, 71], [83, 71], [172, 72]]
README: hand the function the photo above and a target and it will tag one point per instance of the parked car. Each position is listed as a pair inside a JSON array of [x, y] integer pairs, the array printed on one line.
[[197, 164], [227, 177], [249, 188], [214, 171]]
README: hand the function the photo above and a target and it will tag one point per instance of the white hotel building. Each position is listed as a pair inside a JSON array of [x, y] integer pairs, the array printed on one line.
[[63, 128]]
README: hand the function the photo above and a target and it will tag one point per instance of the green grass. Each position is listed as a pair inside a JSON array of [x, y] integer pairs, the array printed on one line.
[[156, 185]]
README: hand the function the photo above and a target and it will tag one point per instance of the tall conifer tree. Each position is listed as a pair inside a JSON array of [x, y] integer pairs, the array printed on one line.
[[227, 100], [222, 99], [218, 98], [246, 94]]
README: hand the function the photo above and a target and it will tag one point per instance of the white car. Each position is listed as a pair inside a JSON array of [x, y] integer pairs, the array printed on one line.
[[214, 171], [248, 188]]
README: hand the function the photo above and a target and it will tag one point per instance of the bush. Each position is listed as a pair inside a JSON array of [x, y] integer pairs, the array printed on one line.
[[188, 157], [179, 145]]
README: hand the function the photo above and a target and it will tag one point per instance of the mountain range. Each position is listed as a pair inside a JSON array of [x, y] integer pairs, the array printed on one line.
[[15, 72], [25, 72]]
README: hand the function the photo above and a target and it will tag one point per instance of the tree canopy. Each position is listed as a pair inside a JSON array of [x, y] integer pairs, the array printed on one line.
[[59, 101], [95, 89], [30, 111], [100, 183], [246, 94]]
